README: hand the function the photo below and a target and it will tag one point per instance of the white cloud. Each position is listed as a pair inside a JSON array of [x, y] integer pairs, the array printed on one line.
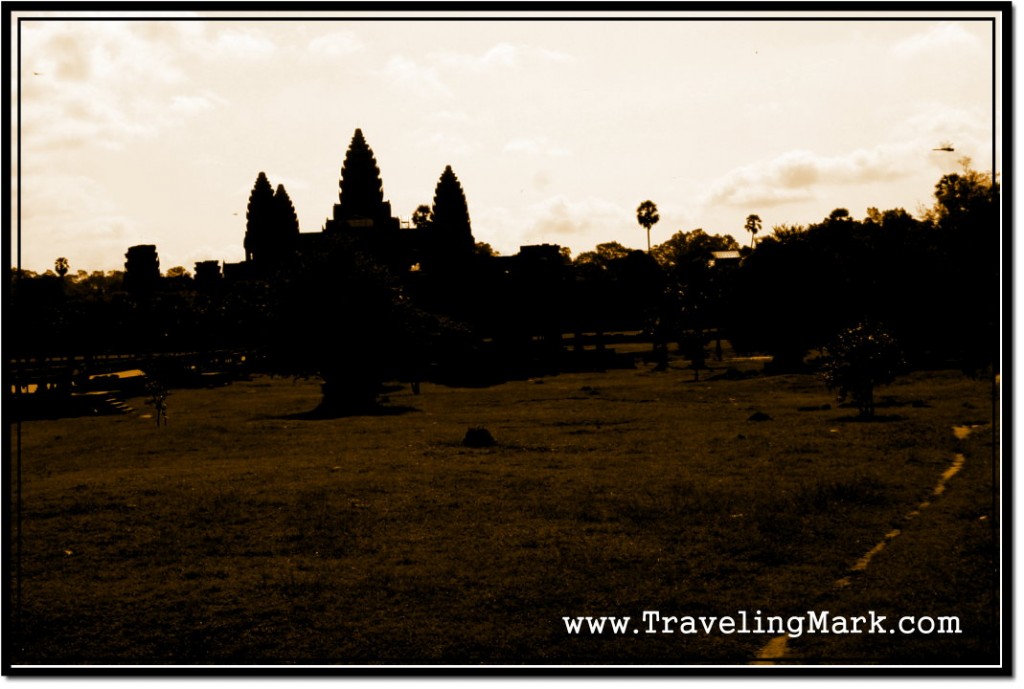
[[238, 44], [560, 219], [793, 176], [449, 116], [537, 146], [941, 39], [450, 144], [64, 211], [418, 79], [104, 52], [191, 105], [336, 44], [106, 83], [501, 55]]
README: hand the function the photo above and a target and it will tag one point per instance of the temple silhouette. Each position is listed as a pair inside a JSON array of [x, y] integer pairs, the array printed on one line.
[[519, 305], [439, 237]]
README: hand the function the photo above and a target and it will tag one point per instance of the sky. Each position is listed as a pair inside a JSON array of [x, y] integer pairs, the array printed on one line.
[[152, 129]]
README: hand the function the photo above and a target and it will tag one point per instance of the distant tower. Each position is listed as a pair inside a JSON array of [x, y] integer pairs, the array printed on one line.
[[271, 226], [286, 223], [259, 220], [141, 268], [452, 236], [208, 277]]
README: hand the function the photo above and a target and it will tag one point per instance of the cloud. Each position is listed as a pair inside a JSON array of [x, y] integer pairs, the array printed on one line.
[[192, 105], [61, 211], [793, 176], [449, 116], [425, 78], [412, 76], [102, 52], [536, 146], [502, 55], [336, 44], [453, 144], [559, 219], [945, 38], [246, 45], [107, 83]]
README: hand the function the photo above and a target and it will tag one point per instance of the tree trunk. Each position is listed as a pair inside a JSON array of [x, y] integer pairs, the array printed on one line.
[[348, 395]]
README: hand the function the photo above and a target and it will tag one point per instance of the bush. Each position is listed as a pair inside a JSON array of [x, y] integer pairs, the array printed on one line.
[[861, 358]]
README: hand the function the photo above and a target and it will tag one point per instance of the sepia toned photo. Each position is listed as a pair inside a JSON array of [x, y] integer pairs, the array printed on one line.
[[365, 341]]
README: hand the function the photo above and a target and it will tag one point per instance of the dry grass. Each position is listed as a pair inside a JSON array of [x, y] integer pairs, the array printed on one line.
[[245, 533]]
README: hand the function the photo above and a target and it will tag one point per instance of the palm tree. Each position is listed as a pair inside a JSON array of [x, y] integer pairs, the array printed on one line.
[[753, 226], [647, 216]]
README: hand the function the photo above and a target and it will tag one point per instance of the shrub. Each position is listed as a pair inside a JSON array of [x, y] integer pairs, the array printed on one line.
[[861, 358]]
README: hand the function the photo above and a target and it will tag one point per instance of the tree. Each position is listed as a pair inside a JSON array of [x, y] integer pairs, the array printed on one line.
[[484, 249], [696, 286], [683, 249], [602, 256], [61, 266], [753, 226], [421, 217], [964, 198], [862, 358], [647, 216], [178, 272], [339, 315], [967, 219]]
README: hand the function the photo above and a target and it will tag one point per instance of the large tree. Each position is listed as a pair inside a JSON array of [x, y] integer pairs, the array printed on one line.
[[339, 315], [966, 216]]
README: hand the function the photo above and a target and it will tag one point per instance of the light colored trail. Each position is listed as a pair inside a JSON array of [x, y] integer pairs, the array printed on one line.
[[775, 650]]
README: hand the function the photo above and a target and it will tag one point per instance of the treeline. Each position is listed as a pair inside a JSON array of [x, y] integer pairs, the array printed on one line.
[[932, 282]]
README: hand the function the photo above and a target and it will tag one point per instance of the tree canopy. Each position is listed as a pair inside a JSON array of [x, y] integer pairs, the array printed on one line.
[[647, 216]]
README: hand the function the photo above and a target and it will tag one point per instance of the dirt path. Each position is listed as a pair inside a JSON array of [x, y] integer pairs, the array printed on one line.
[[775, 650]]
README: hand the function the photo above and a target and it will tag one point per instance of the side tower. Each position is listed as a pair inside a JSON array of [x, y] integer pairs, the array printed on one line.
[[271, 226], [451, 241], [259, 219]]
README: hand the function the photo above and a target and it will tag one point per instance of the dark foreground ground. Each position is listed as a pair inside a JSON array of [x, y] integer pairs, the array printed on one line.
[[248, 532]]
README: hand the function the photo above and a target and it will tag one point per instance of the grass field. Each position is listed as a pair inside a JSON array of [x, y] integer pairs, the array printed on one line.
[[248, 532]]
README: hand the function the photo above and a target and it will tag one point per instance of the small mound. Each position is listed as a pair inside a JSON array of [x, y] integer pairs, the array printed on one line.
[[478, 437], [759, 416]]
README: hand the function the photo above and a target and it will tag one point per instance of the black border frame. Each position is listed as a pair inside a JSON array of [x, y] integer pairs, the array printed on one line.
[[1002, 54]]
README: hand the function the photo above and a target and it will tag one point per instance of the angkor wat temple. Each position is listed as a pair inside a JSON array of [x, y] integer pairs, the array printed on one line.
[[527, 300], [438, 237]]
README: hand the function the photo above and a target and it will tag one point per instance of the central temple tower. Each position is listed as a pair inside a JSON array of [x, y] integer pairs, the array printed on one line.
[[361, 209]]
